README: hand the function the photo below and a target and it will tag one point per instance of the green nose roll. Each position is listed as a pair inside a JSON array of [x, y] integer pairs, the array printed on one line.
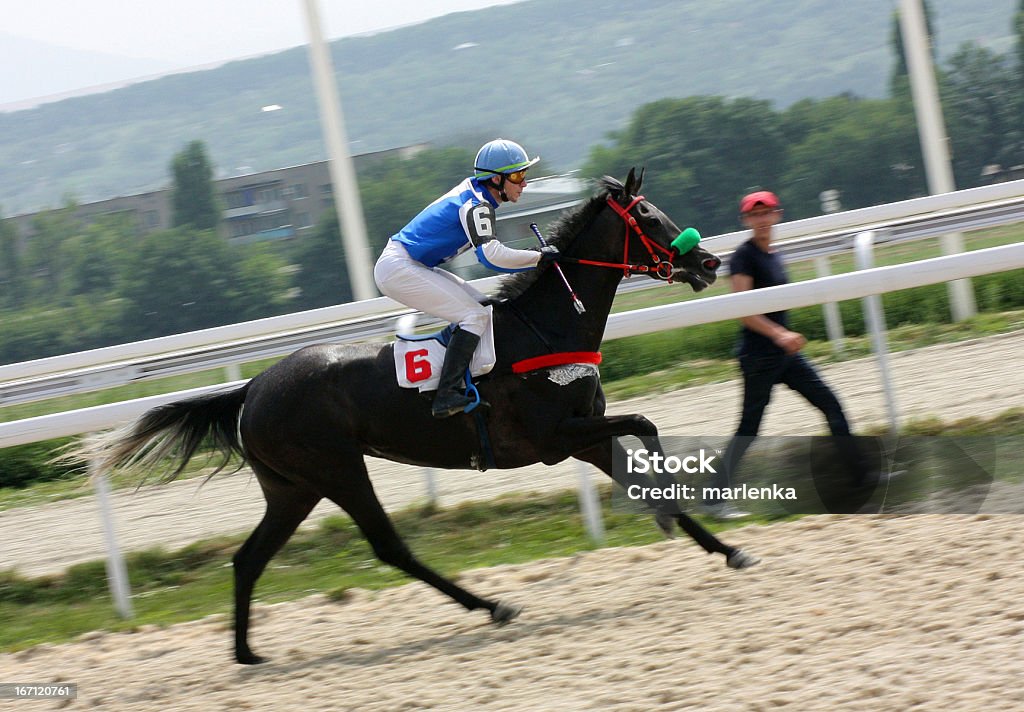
[[686, 241]]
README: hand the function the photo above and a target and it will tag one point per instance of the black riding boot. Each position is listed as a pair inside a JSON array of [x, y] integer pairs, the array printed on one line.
[[450, 398]]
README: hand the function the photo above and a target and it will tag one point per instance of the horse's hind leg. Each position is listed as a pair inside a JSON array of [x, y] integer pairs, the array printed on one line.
[[601, 457], [354, 493], [287, 505]]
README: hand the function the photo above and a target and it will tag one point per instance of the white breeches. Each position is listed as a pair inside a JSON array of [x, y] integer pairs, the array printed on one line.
[[433, 291]]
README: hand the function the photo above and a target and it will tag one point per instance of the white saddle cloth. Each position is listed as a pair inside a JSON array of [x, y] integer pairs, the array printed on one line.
[[418, 359]]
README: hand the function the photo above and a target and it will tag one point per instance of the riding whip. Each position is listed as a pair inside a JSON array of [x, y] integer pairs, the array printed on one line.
[[572, 293]]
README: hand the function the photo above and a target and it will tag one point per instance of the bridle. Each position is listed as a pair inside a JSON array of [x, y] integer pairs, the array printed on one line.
[[659, 267]]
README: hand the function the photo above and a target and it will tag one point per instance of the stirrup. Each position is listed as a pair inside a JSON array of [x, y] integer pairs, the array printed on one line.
[[468, 401], [453, 405]]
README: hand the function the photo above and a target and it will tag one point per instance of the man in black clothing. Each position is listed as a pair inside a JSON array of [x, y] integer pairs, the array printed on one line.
[[769, 352]]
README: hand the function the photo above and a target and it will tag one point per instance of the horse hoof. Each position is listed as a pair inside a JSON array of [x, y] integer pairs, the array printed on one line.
[[740, 559], [666, 524], [504, 613], [249, 658]]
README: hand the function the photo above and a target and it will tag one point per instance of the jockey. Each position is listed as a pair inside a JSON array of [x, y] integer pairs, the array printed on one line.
[[463, 218]]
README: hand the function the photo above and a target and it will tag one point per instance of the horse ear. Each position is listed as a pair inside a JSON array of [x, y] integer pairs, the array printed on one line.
[[630, 187], [639, 180]]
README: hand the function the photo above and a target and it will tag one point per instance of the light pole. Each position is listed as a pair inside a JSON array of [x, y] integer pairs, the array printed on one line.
[[932, 132], [343, 175]]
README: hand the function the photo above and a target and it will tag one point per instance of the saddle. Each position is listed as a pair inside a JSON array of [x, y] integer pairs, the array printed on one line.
[[418, 361], [418, 357]]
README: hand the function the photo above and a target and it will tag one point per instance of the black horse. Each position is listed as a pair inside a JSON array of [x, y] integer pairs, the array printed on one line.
[[304, 424]]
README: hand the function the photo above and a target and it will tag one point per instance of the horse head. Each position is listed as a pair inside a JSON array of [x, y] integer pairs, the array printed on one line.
[[654, 245]]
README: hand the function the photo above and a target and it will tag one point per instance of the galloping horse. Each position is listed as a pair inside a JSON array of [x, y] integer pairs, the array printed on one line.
[[305, 423]]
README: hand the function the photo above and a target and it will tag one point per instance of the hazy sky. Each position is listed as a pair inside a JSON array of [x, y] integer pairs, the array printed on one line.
[[193, 32]]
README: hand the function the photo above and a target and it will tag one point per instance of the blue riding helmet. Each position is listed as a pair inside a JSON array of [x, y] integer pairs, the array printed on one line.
[[500, 157]]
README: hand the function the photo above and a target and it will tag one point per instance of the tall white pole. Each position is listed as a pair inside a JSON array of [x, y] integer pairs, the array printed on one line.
[[932, 133], [343, 175]]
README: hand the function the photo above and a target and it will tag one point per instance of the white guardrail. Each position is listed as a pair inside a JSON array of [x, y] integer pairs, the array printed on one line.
[[911, 219]]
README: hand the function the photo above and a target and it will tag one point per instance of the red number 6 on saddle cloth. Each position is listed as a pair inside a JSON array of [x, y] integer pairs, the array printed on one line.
[[417, 365]]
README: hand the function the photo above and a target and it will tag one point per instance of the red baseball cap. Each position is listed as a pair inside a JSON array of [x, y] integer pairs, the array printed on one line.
[[761, 197]]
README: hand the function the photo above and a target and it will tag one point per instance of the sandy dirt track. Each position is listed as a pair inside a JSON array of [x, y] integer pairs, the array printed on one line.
[[951, 381], [854, 613]]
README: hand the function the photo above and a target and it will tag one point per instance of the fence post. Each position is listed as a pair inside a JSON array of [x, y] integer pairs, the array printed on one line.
[[117, 573], [833, 321], [590, 506], [431, 482], [874, 319], [233, 372]]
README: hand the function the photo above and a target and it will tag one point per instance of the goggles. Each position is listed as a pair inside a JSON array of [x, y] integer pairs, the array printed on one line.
[[517, 178]]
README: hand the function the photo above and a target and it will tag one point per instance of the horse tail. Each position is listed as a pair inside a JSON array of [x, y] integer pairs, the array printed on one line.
[[174, 430]]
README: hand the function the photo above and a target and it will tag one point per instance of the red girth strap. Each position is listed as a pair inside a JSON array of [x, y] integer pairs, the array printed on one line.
[[560, 359]]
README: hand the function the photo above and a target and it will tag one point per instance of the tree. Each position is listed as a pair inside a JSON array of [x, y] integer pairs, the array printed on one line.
[[701, 154], [1017, 142], [192, 196], [12, 276], [260, 284], [96, 257], [865, 149], [323, 274], [1018, 31], [179, 280], [980, 109], [45, 261]]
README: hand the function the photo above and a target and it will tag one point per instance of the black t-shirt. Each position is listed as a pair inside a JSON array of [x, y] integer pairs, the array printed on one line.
[[767, 270]]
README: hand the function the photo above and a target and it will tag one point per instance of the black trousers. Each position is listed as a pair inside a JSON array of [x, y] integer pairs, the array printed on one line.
[[761, 373]]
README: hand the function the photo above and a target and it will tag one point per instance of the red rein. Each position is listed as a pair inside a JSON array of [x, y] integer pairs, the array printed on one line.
[[662, 268]]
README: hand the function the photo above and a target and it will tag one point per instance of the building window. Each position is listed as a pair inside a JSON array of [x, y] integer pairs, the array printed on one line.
[[255, 225], [238, 199]]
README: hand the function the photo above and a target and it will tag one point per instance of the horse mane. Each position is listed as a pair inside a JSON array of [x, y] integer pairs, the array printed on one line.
[[561, 234]]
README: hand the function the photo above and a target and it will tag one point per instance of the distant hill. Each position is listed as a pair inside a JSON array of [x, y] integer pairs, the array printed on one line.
[[557, 75]]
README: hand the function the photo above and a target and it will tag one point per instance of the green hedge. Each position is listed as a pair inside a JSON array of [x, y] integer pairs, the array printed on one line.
[[23, 465], [27, 334]]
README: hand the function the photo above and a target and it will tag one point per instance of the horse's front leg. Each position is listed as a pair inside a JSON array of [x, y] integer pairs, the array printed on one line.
[[575, 434], [604, 454]]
